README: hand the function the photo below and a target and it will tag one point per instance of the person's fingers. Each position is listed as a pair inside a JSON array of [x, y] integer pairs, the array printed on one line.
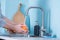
[[24, 31], [19, 29], [10, 31]]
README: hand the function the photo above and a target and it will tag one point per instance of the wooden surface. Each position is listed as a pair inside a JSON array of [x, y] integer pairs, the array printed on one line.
[[19, 17]]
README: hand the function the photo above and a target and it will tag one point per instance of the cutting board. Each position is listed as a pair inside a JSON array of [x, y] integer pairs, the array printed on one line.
[[19, 17]]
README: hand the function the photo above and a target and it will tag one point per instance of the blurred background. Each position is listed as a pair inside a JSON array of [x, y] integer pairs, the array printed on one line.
[[51, 14]]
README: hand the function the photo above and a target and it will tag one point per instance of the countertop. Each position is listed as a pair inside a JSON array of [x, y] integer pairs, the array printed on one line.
[[27, 38]]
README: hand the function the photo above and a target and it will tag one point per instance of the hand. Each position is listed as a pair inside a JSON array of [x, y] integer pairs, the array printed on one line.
[[21, 28], [12, 27]]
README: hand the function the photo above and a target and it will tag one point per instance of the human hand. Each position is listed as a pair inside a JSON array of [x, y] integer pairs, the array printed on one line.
[[18, 28], [21, 28]]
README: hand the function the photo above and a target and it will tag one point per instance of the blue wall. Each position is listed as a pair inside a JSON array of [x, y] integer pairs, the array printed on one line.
[[55, 17], [11, 6]]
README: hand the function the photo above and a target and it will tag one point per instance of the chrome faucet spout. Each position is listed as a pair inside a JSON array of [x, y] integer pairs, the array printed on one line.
[[42, 27]]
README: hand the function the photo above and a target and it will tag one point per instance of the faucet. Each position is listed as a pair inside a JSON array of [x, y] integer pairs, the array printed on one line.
[[42, 30]]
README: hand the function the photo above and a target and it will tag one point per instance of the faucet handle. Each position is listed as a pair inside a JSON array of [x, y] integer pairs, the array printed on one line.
[[43, 30], [19, 5]]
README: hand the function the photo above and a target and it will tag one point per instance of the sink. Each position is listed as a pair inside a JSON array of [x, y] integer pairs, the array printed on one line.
[[16, 35]]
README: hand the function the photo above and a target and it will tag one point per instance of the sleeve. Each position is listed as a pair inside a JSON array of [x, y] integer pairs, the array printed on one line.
[[2, 22], [1, 16]]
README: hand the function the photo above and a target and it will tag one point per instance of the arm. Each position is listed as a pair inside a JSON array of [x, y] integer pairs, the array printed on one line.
[[11, 26], [14, 28], [6, 23]]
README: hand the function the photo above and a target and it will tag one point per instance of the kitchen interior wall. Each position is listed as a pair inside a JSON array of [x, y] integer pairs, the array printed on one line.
[[11, 6], [55, 17]]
